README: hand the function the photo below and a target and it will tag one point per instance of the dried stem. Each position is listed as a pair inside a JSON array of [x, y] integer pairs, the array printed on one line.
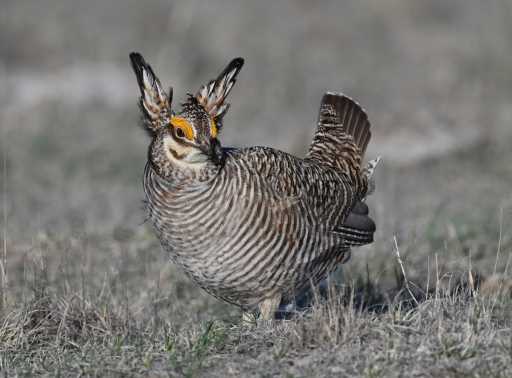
[[403, 272]]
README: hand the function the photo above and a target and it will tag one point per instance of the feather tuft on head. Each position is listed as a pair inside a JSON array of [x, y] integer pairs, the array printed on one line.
[[212, 96], [154, 103]]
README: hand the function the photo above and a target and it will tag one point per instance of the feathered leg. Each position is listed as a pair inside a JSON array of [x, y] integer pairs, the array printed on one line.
[[269, 307]]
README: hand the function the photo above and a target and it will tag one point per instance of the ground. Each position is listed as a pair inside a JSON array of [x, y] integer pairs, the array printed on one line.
[[87, 290]]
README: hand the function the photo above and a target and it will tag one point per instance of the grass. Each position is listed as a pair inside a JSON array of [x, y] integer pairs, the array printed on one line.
[[456, 332]]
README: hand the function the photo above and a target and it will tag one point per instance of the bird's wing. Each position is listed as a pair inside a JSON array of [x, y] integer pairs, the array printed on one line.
[[329, 201]]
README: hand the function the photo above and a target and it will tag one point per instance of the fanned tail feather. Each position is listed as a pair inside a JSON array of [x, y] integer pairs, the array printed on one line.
[[340, 111]]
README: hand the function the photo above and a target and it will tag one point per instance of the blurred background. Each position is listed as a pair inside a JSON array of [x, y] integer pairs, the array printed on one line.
[[435, 78]]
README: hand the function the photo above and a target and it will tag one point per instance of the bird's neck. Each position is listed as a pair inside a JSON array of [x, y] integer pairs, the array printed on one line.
[[175, 176]]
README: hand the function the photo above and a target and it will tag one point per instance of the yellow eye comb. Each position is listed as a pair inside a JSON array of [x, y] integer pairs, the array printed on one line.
[[213, 129], [184, 125]]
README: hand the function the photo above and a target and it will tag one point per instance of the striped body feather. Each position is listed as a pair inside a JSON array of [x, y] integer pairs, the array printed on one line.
[[264, 223]]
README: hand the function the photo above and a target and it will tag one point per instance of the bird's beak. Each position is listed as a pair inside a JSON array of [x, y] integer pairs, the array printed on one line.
[[214, 151]]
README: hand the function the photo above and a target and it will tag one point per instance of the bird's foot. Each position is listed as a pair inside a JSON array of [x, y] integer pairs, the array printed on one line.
[[249, 318]]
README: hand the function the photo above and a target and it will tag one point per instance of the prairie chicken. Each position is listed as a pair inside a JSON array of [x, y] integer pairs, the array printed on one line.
[[252, 226]]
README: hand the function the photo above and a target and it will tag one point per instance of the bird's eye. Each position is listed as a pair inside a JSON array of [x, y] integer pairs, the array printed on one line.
[[180, 133], [182, 128]]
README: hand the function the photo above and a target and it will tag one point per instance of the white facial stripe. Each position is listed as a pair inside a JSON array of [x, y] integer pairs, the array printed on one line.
[[189, 157]]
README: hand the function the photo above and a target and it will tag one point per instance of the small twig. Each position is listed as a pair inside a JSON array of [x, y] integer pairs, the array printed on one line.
[[437, 279], [428, 276], [499, 241], [470, 275], [403, 272]]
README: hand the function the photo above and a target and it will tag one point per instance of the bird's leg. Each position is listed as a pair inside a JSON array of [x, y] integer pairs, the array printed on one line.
[[248, 318], [269, 307]]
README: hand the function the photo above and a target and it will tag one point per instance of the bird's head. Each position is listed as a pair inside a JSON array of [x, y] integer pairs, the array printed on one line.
[[188, 138]]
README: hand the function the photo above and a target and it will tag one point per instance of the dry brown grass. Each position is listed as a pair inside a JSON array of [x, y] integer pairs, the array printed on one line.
[[455, 332]]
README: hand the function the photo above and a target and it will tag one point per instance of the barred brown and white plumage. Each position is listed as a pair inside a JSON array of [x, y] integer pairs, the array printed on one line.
[[253, 226]]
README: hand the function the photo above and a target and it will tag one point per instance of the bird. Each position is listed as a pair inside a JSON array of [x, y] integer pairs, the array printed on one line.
[[252, 226]]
